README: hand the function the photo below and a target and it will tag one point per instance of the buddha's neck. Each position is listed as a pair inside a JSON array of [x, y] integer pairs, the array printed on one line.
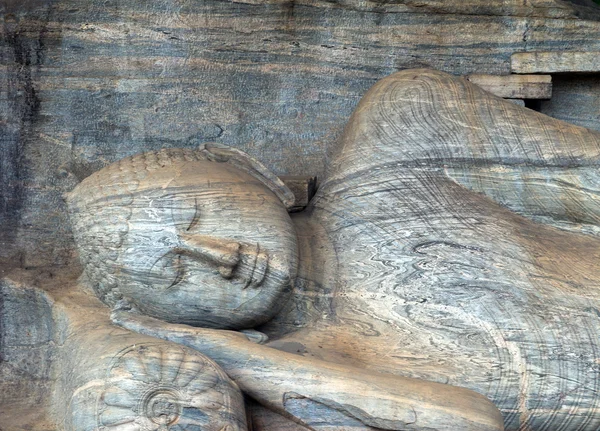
[[313, 297]]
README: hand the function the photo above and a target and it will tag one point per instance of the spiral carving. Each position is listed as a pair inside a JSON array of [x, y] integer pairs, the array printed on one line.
[[152, 387]]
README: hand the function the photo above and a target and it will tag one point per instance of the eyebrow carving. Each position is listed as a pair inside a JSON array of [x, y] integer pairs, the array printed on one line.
[[178, 208], [196, 217]]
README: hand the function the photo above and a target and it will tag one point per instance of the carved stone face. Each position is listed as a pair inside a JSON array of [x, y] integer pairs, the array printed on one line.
[[191, 241], [207, 245]]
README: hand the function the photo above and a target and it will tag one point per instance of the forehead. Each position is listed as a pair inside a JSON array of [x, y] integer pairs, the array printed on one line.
[[202, 188], [191, 172], [200, 178]]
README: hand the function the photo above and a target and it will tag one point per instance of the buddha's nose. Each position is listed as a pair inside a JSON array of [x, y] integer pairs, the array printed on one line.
[[225, 254]]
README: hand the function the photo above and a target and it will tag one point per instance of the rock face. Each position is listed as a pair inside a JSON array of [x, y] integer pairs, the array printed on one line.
[[85, 83], [575, 100], [556, 62]]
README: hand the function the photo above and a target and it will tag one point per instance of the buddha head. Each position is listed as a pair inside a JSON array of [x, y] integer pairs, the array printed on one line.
[[200, 237]]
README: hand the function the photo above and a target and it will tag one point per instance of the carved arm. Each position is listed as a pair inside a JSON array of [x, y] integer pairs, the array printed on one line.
[[275, 379]]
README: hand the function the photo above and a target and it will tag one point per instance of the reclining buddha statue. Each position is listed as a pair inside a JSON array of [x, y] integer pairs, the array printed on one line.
[[449, 257]]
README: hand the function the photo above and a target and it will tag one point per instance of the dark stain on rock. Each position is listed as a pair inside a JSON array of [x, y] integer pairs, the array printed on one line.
[[207, 133], [24, 43], [23, 53], [290, 347]]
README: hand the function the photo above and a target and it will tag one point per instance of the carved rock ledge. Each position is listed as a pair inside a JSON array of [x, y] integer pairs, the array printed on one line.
[[556, 62]]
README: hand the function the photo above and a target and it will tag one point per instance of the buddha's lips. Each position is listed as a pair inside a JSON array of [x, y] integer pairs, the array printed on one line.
[[259, 268]]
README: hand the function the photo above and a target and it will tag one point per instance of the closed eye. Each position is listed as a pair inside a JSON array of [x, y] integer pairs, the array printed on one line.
[[163, 269], [180, 274]]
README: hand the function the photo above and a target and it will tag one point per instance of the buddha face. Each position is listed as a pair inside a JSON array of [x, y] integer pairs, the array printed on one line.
[[207, 245]]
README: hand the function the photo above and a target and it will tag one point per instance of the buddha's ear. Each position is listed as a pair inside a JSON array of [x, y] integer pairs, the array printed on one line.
[[224, 154]]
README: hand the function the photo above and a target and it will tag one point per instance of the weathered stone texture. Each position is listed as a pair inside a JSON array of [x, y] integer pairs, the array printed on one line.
[[26, 354], [515, 86], [555, 62], [575, 99], [85, 83], [303, 187]]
